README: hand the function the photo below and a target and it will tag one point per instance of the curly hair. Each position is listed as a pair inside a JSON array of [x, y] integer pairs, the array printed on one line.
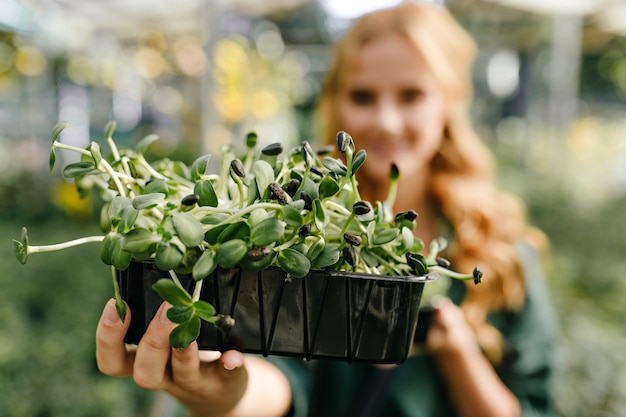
[[486, 223]]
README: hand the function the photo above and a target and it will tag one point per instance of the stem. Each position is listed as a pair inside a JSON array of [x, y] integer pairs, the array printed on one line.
[[269, 206], [71, 148], [176, 280], [120, 306], [449, 273], [196, 291], [64, 245]]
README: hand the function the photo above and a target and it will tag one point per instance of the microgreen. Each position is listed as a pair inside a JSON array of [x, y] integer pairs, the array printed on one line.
[[298, 210]]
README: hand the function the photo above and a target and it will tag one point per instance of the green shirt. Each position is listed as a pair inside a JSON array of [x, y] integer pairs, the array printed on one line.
[[414, 388]]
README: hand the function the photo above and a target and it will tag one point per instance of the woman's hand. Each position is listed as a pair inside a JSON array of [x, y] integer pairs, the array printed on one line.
[[473, 385], [449, 331], [224, 386]]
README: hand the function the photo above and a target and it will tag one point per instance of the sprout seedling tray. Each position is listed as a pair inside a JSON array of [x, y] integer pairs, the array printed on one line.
[[325, 315]]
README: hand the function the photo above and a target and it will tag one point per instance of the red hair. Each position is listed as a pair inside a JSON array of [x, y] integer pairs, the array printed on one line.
[[486, 222]]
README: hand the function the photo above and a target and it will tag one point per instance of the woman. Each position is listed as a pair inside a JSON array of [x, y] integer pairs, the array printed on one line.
[[400, 85]]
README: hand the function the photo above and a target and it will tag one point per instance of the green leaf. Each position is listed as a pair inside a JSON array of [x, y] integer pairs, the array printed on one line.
[[407, 239], [188, 228], [294, 263], [382, 236], [52, 159], [206, 191], [109, 129], [199, 167], [335, 165], [230, 253], [96, 153], [57, 129], [237, 230], [143, 145], [357, 160], [180, 313], [140, 240], [172, 293], [368, 256], [20, 251], [316, 248], [205, 265], [256, 266], [329, 256], [167, 256], [328, 187], [79, 169], [292, 216], [321, 220], [127, 218], [155, 186], [148, 201], [251, 140], [184, 334], [117, 206], [267, 231], [264, 176], [111, 252], [211, 236], [204, 310]]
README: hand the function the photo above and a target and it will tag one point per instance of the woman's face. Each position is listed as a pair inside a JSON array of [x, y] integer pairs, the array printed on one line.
[[392, 105]]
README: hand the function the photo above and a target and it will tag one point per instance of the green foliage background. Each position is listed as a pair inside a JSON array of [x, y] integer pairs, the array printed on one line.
[[48, 313]]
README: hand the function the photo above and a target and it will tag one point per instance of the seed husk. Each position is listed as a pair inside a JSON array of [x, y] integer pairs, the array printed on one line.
[[272, 149], [237, 167], [351, 239], [343, 141], [349, 254], [308, 202], [278, 193], [292, 186], [305, 230], [190, 200], [361, 207]]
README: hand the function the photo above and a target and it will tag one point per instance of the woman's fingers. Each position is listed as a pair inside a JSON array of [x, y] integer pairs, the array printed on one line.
[[150, 369], [112, 356]]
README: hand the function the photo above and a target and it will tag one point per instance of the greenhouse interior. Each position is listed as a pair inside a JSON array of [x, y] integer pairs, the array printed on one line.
[[550, 102]]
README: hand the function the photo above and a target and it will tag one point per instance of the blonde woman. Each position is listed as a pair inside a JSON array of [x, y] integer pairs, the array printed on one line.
[[400, 85]]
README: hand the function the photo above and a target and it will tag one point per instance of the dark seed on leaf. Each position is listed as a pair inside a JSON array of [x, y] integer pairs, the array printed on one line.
[[410, 215], [478, 275], [352, 239], [349, 254], [343, 141], [325, 150], [443, 262], [304, 230], [307, 151], [256, 254], [237, 168], [272, 149], [317, 171], [279, 193], [361, 207], [292, 187], [190, 200], [308, 203]]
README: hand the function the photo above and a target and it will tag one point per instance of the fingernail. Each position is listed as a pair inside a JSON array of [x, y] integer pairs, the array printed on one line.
[[110, 316], [163, 316]]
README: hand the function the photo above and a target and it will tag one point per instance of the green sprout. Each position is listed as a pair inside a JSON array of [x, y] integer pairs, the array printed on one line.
[[299, 210]]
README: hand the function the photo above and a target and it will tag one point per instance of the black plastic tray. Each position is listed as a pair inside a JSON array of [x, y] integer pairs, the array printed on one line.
[[325, 315]]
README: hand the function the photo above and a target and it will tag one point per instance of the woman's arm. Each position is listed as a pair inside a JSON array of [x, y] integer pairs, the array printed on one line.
[[474, 386], [232, 385]]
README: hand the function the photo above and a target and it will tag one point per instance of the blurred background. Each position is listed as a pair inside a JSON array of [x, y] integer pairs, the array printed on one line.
[[550, 101]]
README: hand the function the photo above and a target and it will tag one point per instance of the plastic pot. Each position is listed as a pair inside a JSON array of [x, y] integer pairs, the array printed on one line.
[[325, 315]]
